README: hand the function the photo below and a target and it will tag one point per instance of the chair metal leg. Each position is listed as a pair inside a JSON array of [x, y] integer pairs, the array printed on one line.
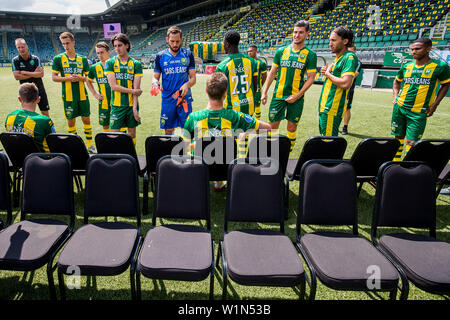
[[224, 277], [286, 200], [359, 188], [219, 255], [393, 294], [211, 284], [145, 195], [138, 286], [62, 285]]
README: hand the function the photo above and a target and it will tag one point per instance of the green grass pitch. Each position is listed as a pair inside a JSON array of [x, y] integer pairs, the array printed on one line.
[[371, 114]]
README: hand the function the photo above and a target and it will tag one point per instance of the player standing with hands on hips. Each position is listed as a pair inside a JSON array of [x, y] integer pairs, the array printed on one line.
[[176, 66]]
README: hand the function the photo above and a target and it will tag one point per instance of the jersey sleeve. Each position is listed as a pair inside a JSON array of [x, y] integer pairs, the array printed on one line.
[[15, 64], [158, 64], [277, 58], [188, 132], [85, 66], [246, 122], [263, 67], [38, 62], [221, 68], [349, 67], [138, 69], [444, 76], [311, 64], [400, 74], [92, 73], [109, 66], [191, 61], [56, 64], [255, 67]]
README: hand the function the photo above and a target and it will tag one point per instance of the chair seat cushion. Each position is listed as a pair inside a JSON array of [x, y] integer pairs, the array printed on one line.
[[347, 261], [425, 260], [262, 257], [28, 244], [292, 163], [100, 249], [176, 252]]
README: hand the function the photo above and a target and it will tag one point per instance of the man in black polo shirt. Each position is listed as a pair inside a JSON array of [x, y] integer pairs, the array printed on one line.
[[27, 68]]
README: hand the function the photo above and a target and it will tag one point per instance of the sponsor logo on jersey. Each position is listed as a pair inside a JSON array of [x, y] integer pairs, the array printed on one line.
[[248, 118], [423, 81], [32, 62]]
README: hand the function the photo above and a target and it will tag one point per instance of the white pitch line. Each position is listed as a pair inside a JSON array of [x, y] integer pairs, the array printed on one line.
[[390, 107]]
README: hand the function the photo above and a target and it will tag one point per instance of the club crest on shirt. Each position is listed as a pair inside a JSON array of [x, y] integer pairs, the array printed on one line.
[[183, 61]]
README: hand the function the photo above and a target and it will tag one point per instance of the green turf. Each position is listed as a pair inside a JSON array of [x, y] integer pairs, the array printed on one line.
[[371, 115]]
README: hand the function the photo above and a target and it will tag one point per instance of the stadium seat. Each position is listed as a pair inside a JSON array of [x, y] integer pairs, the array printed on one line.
[[73, 146], [434, 152], [156, 147], [369, 155], [179, 251], [47, 190], [257, 257], [340, 260], [218, 153], [18, 146], [119, 143], [5, 190], [423, 260], [105, 248]]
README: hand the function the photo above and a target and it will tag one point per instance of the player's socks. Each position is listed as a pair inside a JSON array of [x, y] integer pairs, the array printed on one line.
[[258, 112], [72, 130], [123, 130], [398, 155], [88, 134], [407, 147], [292, 137], [242, 147]]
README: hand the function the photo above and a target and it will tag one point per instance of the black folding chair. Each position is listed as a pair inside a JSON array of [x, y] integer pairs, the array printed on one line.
[[72, 145], [341, 260], [119, 143], [276, 147], [258, 257], [105, 248], [434, 152], [179, 251], [18, 146], [218, 153], [47, 190], [5, 190], [405, 197], [156, 147], [369, 155]]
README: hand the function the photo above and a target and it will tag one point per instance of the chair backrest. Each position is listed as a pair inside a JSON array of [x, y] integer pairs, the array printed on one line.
[[321, 148], [72, 145], [112, 187], [405, 196], [217, 153], [328, 194], [115, 143], [47, 185], [371, 153], [255, 192], [18, 146], [275, 147], [434, 152], [158, 146], [5, 187], [182, 189]]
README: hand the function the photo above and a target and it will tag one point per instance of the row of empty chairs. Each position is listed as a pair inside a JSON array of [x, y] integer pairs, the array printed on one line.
[[257, 256]]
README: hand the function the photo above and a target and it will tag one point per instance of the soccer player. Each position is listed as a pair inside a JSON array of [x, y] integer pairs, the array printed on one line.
[[124, 77], [338, 81], [293, 62], [27, 120], [415, 94], [348, 114], [215, 120], [27, 68], [262, 76], [176, 67], [73, 69], [97, 72]]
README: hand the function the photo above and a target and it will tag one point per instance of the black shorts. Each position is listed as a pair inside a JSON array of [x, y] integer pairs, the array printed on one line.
[[350, 97], [43, 104]]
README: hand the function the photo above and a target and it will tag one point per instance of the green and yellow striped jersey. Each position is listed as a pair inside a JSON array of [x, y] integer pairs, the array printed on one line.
[[34, 124], [216, 123], [125, 74], [419, 84], [332, 98], [262, 68], [293, 65], [240, 70], [97, 72], [71, 91]]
